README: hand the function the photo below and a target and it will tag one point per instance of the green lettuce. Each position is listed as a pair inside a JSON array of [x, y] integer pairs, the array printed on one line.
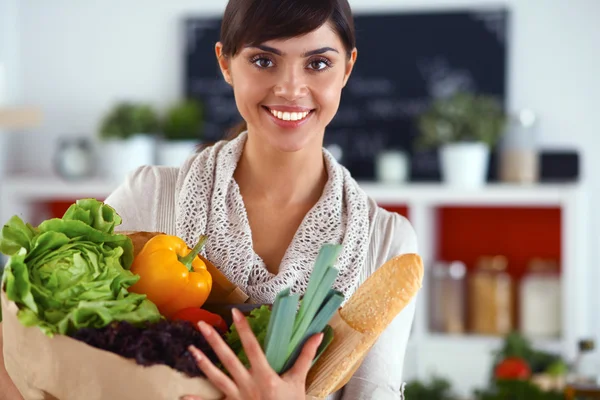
[[72, 272], [259, 322]]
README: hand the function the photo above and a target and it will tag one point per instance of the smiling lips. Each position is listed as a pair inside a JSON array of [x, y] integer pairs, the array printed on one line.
[[289, 116]]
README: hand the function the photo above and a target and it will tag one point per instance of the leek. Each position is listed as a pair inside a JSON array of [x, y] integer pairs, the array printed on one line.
[[280, 329], [290, 327]]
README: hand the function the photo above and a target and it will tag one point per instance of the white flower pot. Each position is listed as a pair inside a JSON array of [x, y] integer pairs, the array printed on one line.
[[465, 165], [174, 153], [120, 157]]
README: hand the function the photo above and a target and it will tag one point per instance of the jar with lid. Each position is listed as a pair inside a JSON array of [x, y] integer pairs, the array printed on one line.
[[586, 367], [491, 297], [518, 150], [540, 300], [74, 158], [447, 297]]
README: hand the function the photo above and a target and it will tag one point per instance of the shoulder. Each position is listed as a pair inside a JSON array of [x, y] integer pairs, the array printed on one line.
[[396, 231], [391, 235], [140, 197]]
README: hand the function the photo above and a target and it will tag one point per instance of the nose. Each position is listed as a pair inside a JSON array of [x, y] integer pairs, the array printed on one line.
[[290, 85]]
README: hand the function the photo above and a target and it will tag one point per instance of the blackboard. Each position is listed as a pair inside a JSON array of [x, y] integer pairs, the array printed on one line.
[[404, 61]]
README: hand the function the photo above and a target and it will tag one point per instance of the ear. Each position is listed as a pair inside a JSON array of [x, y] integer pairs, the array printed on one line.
[[350, 65], [223, 61]]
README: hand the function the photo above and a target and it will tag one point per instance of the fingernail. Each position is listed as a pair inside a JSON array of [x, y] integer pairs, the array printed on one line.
[[204, 328], [321, 336], [195, 353], [237, 315]]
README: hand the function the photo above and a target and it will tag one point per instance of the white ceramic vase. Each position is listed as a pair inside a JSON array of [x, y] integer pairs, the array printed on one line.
[[465, 165], [120, 157]]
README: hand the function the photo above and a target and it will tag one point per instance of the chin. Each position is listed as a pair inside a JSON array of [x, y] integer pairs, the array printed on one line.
[[288, 143]]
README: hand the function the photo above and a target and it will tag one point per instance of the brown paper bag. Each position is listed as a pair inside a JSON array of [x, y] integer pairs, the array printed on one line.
[[67, 369], [63, 368]]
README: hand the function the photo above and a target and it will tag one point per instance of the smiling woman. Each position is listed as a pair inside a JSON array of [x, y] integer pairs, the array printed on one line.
[[269, 198]]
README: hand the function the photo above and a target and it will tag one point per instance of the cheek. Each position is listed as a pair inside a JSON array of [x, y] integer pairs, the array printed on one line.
[[248, 93], [328, 93]]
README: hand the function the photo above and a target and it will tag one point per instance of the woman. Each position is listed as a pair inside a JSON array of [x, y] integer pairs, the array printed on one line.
[[271, 196]]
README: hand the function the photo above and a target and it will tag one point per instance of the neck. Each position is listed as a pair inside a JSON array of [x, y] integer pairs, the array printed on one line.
[[282, 178]]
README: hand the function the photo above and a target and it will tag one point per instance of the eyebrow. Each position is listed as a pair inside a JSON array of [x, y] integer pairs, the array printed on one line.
[[307, 54]]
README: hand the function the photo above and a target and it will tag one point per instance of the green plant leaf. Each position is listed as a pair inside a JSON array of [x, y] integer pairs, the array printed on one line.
[[184, 121], [462, 117]]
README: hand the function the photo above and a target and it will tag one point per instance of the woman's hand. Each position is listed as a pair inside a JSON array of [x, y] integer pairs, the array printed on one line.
[[260, 381]]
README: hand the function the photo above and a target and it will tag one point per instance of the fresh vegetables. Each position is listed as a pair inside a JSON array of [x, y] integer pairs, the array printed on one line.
[[171, 275], [283, 332], [259, 321], [515, 389], [72, 272], [165, 342], [195, 315], [512, 368]]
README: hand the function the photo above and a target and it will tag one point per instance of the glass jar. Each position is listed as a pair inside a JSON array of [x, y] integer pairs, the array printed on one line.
[[392, 166], [447, 297], [491, 297], [518, 151], [540, 300], [586, 367], [74, 158]]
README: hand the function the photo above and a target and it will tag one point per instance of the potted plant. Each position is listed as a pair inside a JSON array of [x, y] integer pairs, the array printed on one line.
[[182, 132], [128, 132], [464, 127]]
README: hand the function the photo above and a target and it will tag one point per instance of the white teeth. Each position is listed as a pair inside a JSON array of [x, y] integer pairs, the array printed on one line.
[[287, 116]]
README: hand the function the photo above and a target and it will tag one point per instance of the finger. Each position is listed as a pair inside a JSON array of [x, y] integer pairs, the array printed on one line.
[[189, 397], [214, 374], [305, 359], [254, 351], [228, 358]]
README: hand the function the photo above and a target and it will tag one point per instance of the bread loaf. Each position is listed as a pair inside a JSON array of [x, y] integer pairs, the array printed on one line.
[[362, 319]]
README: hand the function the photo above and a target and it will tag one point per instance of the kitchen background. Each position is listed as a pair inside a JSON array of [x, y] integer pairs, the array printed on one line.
[[510, 237]]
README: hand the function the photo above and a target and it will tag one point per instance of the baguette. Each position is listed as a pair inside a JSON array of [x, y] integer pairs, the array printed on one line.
[[359, 323], [223, 291]]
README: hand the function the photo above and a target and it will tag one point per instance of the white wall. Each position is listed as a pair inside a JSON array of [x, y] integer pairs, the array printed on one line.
[[74, 59], [78, 57]]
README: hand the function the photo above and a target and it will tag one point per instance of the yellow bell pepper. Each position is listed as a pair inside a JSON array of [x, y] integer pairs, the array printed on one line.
[[171, 275]]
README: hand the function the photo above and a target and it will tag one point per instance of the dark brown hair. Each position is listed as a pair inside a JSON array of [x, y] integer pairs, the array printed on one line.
[[252, 22]]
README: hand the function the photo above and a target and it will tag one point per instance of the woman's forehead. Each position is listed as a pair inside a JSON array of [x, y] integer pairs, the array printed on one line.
[[322, 37]]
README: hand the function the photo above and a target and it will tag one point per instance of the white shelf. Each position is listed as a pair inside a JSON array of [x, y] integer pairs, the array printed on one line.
[[549, 345], [410, 194], [538, 195], [36, 188]]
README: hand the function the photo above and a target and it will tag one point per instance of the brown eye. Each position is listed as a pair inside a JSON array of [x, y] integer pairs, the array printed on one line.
[[319, 64], [262, 62]]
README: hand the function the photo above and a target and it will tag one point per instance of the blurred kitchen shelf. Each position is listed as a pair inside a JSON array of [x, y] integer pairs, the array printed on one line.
[[537, 195], [54, 188], [413, 194], [493, 342], [19, 117]]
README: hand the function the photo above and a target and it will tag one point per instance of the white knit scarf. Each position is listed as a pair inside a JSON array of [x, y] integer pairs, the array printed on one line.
[[209, 202]]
